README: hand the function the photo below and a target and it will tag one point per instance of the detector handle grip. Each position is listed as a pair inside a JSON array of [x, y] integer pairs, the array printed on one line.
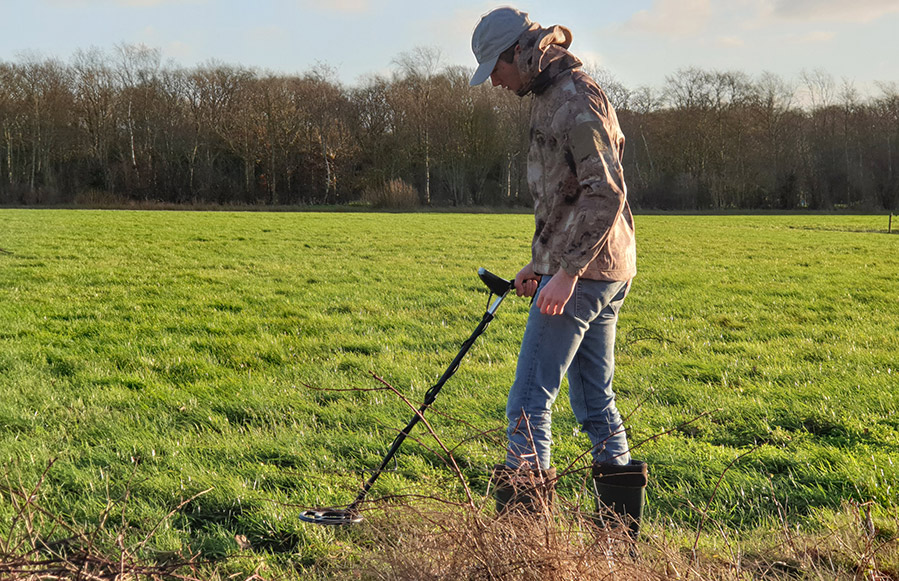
[[497, 285]]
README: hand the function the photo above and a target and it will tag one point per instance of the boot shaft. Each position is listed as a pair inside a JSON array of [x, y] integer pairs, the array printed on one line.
[[620, 493], [525, 490]]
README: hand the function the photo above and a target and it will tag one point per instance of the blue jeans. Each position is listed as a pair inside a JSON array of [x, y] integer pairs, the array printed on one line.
[[581, 342]]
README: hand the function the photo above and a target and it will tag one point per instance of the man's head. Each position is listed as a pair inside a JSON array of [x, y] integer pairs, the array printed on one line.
[[497, 33]]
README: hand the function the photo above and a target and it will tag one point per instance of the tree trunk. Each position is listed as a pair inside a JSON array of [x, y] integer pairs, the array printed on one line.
[[192, 165], [8, 154], [34, 148], [427, 167], [132, 147], [324, 147], [509, 177], [272, 177]]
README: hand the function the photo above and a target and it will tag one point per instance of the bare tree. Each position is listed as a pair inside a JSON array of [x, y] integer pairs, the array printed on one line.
[[820, 147], [210, 93], [95, 102], [820, 88], [324, 104], [618, 94], [238, 122], [43, 92], [374, 121], [887, 108], [136, 73], [122, 122], [417, 70], [778, 172], [10, 98]]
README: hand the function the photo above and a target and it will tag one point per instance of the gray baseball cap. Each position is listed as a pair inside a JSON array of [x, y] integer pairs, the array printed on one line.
[[497, 31]]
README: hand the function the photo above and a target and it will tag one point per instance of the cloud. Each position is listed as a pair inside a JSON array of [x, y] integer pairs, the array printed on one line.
[[590, 58], [814, 37], [671, 18], [144, 3], [730, 41], [339, 6], [126, 3], [179, 50], [450, 32], [832, 10], [458, 26]]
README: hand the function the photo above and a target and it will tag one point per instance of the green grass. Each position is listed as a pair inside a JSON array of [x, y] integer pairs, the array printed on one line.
[[167, 353]]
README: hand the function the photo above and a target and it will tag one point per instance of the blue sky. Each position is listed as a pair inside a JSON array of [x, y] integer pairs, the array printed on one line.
[[639, 41]]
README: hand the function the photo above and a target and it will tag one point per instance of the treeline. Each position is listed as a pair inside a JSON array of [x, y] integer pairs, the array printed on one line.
[[122, 126]]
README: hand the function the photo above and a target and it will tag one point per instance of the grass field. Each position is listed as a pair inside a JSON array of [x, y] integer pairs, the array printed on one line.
[[162, 356]]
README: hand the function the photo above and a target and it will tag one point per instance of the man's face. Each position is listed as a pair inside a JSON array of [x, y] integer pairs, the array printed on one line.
[[506, 74]]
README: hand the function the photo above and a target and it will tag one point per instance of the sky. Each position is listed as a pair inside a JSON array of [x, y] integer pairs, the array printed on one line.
[[640, 42]]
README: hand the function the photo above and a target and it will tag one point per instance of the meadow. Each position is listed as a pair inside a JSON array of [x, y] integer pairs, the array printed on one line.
[[205, 376]]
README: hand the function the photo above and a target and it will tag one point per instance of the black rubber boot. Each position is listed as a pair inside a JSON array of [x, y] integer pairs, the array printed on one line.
[[620, 493], [523, 490]]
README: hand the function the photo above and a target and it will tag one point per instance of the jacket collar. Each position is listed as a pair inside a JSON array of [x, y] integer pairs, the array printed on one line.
[[544, 56]]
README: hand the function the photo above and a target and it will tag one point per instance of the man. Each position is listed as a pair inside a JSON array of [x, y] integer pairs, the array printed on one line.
[[583, 260]]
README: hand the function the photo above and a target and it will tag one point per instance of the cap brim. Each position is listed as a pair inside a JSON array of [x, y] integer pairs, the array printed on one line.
[[483, 72]]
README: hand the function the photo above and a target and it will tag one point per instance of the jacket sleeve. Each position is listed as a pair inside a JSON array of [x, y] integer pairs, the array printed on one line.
[[595, 147]]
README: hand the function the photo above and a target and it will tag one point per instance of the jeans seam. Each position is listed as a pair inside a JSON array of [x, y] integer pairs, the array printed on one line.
[[528, 382]]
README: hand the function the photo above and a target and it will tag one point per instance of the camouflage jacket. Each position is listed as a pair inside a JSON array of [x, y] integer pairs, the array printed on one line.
[[583, 222]]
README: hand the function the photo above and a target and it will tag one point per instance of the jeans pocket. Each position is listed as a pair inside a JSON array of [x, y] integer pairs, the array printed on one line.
[[586, 303]]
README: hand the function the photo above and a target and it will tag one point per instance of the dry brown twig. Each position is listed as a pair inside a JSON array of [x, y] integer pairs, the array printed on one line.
[[421, 536], [34, 549], [452, 459], [704, 513]]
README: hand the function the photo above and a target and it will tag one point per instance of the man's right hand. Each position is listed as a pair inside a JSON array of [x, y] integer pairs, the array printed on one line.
[[526, 281]]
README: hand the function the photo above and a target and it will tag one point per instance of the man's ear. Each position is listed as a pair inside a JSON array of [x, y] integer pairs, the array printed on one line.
[[515, 54]]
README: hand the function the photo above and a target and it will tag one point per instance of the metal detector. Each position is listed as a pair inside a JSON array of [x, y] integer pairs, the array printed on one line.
[[350, 515]]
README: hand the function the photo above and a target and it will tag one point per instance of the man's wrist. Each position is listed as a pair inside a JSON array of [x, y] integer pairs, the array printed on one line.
[[565, 276], [570, 270]]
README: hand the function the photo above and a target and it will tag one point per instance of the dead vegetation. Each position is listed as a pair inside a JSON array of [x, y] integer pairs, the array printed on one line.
[[443, 543], [435, 540], [448, 542], [38, 545]]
